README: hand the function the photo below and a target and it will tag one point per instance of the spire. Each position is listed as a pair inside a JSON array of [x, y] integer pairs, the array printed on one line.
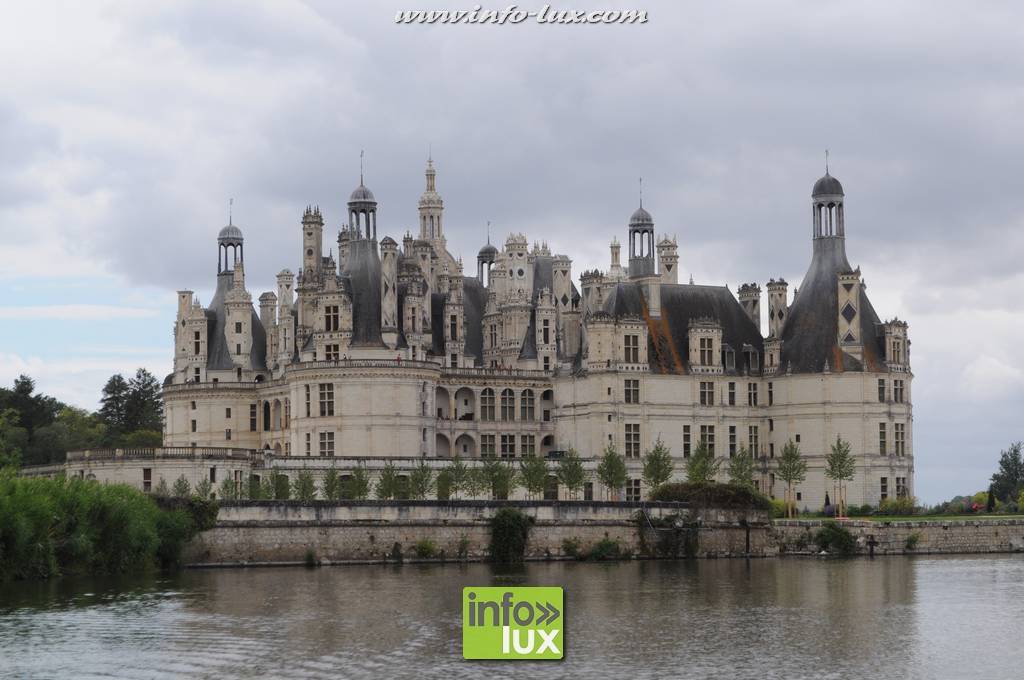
[[231, 203], [360, 167], [826, 161], [641, 192], [488, 232]]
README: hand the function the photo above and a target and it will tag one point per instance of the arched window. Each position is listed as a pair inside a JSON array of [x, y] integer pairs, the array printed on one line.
[[508, 404], [266, 416], [527, 406], [487, 404]]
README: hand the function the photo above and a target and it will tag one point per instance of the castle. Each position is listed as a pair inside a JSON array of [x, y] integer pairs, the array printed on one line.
[[391, 352]]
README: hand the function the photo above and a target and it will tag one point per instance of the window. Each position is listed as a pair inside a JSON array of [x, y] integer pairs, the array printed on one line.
[[193, 425], [493, 335], [771, 425], [632, 440], [729, 359], [883, 488], [487, 404], [198, 376], [771, 394], [686, 441], [547, 363], [771, 449], [899, 438], [307, 401], [588, 491], [631, 392], [881, 389], [454, 363], [252, 417], [453, 327], [193, 406], [508, 446], [195, 345], [881, 439], [213, 475], [732, 441], [732, 394], [309, 446], [147, 479], [897, 391], [238, 348], [332, 318], [551, 488], [705, 351], [327, 444], [508, 405], [901, 487], [238, 326], [751, 394], [707, 437], [527, 406], [633, 491], [546, 332], [527, 445], [752, 439], [227, 434], [487, 445], [227, 413], [326, 399], [332, 351], [631, 344], [707, 394]]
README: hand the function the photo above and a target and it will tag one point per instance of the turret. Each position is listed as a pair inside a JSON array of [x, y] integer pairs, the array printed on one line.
[[431, 208], [848, 285], [641, 244], [389, 291], [750, 300], [312, 239], [668, 260], [777, 309]]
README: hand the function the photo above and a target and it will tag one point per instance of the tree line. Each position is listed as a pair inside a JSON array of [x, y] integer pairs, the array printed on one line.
[[36, 429]]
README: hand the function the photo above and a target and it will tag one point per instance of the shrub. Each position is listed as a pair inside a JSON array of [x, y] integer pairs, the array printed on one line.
[[204, 489], [282, 489], [778, 508], [305, 486], [730, 496], [658, 465], [702, 468], [605, 549], [181, 487], [571, 547], [463, 548], [912, 541], [387, 483], [310, 560], [510, 530], [331, 485], [425, 549], [903, 505], [836, 539]]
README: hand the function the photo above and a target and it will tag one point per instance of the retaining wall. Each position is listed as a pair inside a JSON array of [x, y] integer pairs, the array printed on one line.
[[917, 537]]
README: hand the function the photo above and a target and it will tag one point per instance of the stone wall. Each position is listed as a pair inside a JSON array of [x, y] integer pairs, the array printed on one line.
[[916, 537], [281, 532]]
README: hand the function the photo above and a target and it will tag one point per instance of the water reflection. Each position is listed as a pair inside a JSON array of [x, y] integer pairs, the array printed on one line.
[[786, 618]]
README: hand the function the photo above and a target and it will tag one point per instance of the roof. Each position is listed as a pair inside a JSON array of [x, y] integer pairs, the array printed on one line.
[[363, 285], [361, 194], [827, 186], [810, 334], [230, 233], [218, 357], [640, 216]]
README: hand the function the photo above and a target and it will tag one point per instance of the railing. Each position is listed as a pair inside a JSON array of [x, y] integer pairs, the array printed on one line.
[[164, 452]]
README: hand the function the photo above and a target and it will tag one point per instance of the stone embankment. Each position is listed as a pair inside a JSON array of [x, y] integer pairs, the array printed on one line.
[[932, 536]]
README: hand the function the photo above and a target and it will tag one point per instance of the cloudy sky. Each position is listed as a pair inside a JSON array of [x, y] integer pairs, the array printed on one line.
[[125, 128]]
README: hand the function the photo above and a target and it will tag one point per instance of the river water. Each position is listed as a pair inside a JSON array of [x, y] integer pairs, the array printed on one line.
[[892, 617]]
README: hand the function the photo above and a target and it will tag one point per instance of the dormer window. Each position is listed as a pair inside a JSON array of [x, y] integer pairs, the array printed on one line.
[[706, 345], [729, 358]]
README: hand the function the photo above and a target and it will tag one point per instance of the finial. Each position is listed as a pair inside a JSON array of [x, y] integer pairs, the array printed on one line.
[[360, 167], [488, 232], [826, 161], [691, 279], [641, 192], [430, 154], [231, 203]]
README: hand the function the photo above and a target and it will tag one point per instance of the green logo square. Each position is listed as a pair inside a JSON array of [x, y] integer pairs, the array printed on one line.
[[513, 623]]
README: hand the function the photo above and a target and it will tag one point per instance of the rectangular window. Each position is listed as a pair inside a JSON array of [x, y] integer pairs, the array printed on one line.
[[897, 391], [327, 444], [193, 425], [238, 348], [227, 413], [326, 399], [307, 401], [487, 445], [332, 351], [881, 439], [771, 449], [707, 394], [633, 491], [883, 488], [631, 392], [631, 345], [453, 327], [238, 326], [771, 425], [252, 417], [705, 351], [632, 440], [487, 405], [899, 438], [508, 446], [798, 439], [686, 441], [196, 345], [751, 394], [193, 406], [901, 487], [588, 491], [213, 475], [732, 394], [198, 375], [227, 434], [332, 318], [493, 335], [707, 437], [527, 406], [881, 389], [547, 363], [546, 331], [309, 445], [771, 394], [527, 445], [752, 440], [147, 479], [732, 441]]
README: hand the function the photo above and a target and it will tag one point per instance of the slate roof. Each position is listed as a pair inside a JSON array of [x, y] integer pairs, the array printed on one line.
[[218, 356], [363, 274]]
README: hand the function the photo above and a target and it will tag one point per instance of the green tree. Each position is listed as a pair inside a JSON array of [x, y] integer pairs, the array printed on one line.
[[499, 477], [10, 451], [702, 467], [305, 486], [161, 488], [611, 470], [839, 467], [476, 482], [741, 468], [658, 465], [331, 486], [181, 488], [1008, 481], [444, 485], [281, 488], [204, 489], [265, 489], [143, 409], [113, 405], [792, 470], [533, 475], [387, 482], [990, 503], [357, 486], [458, 473], [228, 490], [421, 481], [570, 473]]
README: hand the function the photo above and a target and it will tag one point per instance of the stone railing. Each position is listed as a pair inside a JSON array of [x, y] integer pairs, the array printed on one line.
[[163, 452]]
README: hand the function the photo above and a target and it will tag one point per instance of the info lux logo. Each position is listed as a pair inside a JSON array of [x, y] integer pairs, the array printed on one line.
[[512, 623]]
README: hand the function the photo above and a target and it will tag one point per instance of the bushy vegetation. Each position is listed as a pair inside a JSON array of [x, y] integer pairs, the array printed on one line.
[[425, 549], [50, 527], [510, 529], [712, 494], [835, 539]]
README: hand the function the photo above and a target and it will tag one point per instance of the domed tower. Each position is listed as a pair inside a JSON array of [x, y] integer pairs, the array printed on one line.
[[229, 240], [484, 259], [827, 204], [362, 210], [641, 243], [431, 208]]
